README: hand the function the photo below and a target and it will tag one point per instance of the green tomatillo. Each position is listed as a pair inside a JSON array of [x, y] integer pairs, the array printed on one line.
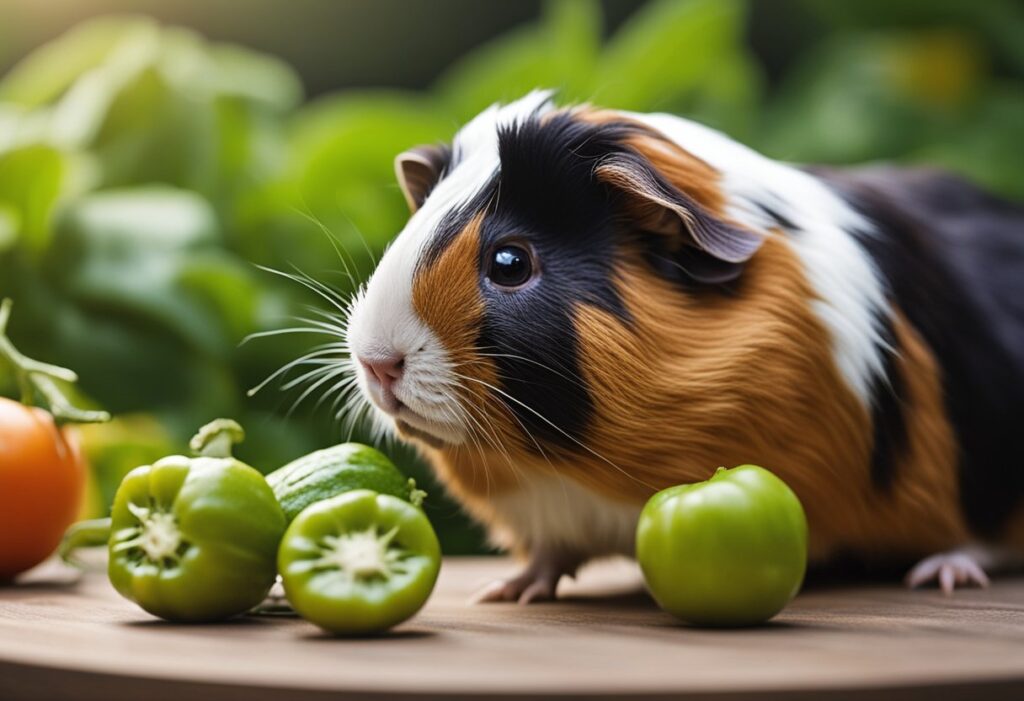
[[195, 539], [360, 562], [730, 551]]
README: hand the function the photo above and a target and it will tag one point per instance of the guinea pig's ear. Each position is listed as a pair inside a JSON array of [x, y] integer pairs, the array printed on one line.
[[418, 171], [713, 250]]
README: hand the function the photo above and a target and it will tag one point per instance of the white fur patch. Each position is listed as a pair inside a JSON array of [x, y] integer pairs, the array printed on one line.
[[558, 512], [850, 291]]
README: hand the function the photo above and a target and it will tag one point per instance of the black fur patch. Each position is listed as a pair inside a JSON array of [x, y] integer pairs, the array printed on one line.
[[888, 419], [953, 257], [548, 196]]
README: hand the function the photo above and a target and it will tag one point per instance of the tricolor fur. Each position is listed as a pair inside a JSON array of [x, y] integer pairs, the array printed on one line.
[[860, 334]]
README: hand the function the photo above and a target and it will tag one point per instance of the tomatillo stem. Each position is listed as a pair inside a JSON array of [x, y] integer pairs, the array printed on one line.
[[34, 376], [84, 534], [215, 439]]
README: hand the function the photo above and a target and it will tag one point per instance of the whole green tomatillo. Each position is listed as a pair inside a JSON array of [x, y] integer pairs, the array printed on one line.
[[195, 539], [730, 551], [360, 562]]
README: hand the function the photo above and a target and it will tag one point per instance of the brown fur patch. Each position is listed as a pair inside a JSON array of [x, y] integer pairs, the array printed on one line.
[[752, 379], [447, 298], [727, 379], [712, 379], [445, 294]]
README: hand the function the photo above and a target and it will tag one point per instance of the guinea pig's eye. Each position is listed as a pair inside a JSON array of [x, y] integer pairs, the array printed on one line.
[[510, 266]]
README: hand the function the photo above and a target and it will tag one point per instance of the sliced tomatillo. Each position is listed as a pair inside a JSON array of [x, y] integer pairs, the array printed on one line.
[[359, 562], [195, 539]]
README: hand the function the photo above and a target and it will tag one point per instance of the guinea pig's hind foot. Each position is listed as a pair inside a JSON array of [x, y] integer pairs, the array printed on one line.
[[966, 566], [537, 582]]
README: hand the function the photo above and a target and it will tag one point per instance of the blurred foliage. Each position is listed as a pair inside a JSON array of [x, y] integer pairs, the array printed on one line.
[[143, 171]]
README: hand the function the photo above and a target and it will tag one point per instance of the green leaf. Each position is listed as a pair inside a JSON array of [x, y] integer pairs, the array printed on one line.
[[124, 251], [340, 182], [151, 134], [241, 73], [10, 224], [668, 49], [999, 24], [45, 74], [559, 53], [32, 180], [224, 285], [859, 98], [988, 146]]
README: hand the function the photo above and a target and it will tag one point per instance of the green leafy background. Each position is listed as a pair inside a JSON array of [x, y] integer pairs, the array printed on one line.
[[145, 172]]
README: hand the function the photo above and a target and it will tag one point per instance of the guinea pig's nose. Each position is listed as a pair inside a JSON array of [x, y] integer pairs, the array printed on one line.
[[387, 369]]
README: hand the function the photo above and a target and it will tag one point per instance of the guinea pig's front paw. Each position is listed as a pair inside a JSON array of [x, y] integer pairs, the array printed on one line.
[[950, 570], [538, 582]]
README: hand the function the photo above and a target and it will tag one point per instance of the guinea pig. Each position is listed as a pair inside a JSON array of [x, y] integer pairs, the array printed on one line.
[[587, 306]]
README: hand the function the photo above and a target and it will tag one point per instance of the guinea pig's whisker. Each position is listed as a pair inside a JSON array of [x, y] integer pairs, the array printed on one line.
[[525, 430], [321, 367], [362, 240], [325, 371], [324, 288], [330, 321], [339, 323], [533, 439], [347, 416], [489, 434], [277, 332], [556, 367], [331, 296], [341, 391], [496, 442], [346, 399], [480, 451], [484, 464], [326, 375], [330, 361], [316, 353], [556, 427], [574, 380], [336, 243]]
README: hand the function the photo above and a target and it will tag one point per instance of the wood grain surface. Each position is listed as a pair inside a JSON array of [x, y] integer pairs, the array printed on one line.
[[64, 636]]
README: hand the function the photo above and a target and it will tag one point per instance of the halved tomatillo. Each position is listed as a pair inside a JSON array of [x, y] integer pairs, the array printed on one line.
[[195, 539], [360, 562]]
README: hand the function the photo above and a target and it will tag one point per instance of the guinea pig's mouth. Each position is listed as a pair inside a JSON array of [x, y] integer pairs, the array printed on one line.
[[430, 439], [414, 424]]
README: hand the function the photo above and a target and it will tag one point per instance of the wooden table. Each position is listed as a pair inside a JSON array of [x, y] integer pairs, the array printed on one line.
[[63, 637]]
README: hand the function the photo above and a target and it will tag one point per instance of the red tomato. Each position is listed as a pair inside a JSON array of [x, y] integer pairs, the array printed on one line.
[[42, 476]]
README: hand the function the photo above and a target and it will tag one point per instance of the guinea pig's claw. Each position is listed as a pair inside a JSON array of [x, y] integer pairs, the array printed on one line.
[[950, 570], [539, 590], [524, 589], [498, 590], [538, 582]]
